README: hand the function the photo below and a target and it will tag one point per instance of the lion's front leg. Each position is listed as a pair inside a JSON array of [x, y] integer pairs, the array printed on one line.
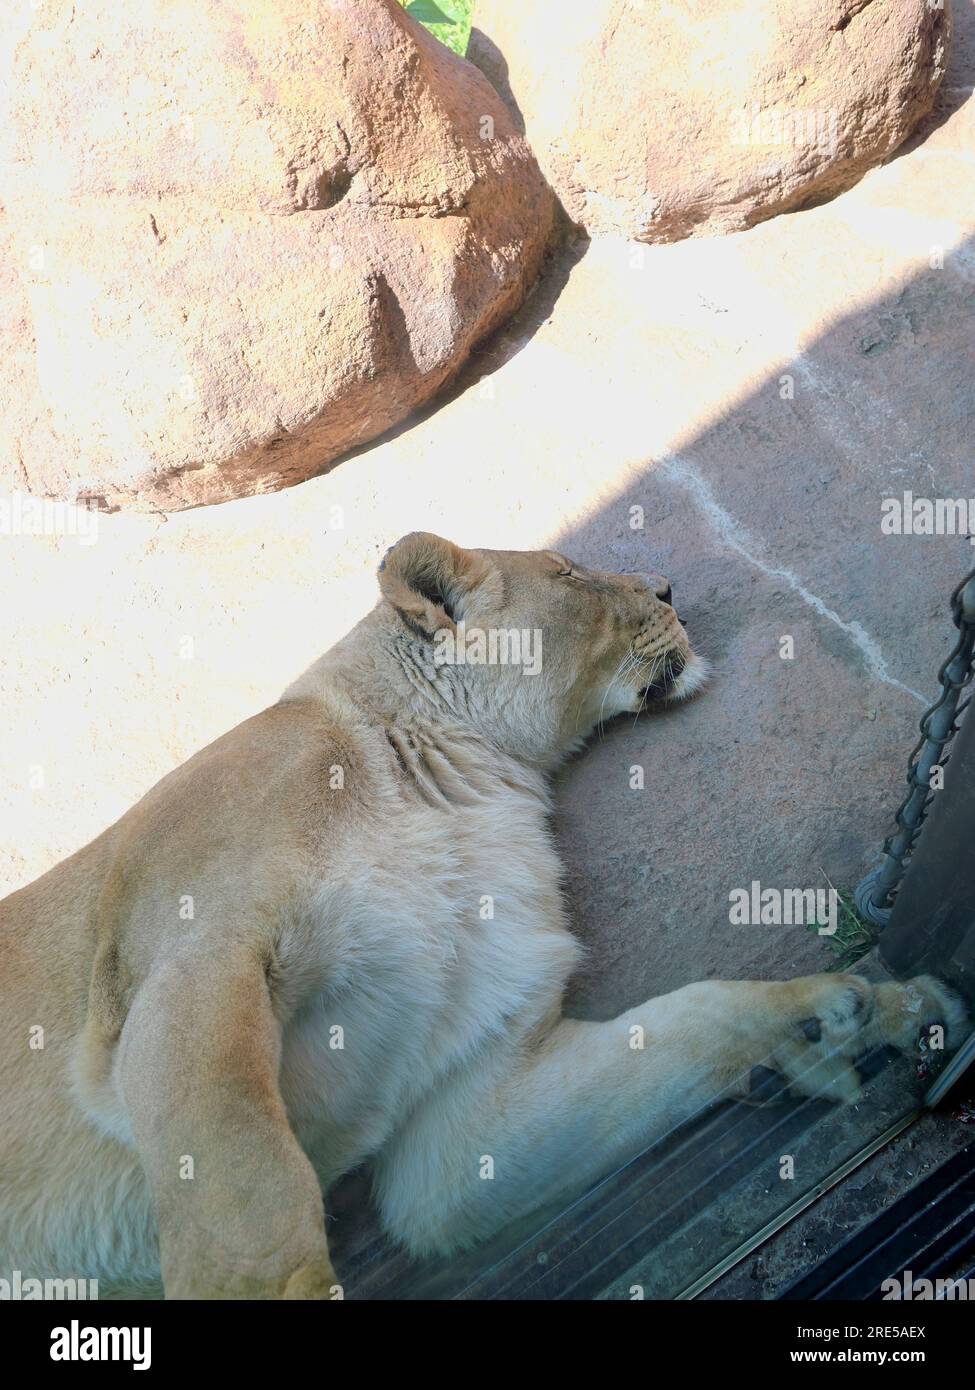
[[238, 1203], [542, 1120]]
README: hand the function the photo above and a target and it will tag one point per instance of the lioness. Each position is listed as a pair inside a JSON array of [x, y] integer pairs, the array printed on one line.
[[337, 933]]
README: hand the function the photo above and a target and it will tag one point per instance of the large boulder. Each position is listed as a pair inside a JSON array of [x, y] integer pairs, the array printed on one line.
[[248, 236], [659, 120]]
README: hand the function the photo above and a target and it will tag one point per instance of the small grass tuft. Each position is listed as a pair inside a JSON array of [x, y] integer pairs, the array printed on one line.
[[854, 935]]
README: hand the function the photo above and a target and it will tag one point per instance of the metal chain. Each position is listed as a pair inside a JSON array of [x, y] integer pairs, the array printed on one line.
[[874, 896]]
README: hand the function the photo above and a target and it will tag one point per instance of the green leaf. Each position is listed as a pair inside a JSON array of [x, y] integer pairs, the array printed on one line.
[[428, 13]]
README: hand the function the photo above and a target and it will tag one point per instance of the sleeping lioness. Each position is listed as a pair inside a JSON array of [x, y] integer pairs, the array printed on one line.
[[337, 934]]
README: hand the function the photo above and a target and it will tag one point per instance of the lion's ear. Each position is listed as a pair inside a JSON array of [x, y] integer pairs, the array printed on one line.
[[428, 580]]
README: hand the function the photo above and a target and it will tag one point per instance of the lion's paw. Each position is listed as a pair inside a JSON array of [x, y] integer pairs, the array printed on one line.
[[826, 1023]]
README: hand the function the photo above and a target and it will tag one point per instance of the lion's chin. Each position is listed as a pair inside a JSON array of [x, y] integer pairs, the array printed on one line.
[[691, 677]]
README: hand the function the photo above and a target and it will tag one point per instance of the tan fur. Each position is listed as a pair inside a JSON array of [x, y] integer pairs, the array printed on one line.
[[355, 914]]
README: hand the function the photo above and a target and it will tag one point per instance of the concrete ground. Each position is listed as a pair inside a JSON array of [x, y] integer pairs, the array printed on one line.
[[757, 396]]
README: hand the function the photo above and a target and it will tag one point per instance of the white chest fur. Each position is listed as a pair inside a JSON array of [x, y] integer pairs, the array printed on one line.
[[420, 962]]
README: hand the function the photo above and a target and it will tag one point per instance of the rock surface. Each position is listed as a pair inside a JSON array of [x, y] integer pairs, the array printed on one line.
[[247, 238], [663, 120]]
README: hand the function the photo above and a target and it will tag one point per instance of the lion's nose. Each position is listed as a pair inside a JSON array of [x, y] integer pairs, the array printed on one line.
[[659, 585]]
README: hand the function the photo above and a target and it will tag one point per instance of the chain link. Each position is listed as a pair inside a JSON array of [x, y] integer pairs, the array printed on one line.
[[875, 895]]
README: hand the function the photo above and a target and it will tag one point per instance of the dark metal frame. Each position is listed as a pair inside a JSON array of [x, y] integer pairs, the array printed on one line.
[[929, 1231]]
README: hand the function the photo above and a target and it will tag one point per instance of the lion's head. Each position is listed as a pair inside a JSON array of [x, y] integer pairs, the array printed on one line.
[[532, 649]]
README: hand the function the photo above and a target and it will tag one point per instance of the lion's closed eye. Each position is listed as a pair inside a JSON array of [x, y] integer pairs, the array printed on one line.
[[565, 568], [564, 565]]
